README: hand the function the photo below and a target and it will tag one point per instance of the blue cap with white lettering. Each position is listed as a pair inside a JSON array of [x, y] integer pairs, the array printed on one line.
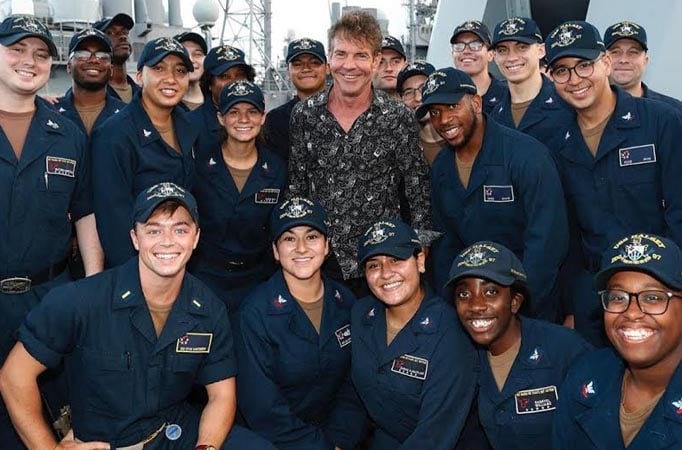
[[388, 237], [148, 200], [298, 211], [18, 27]]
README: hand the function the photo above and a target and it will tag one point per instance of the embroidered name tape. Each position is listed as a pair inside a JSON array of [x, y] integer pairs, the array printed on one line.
[[533, 401], [343, 335], [194, 343], [60, 166], [641, 154], [498, 194], [411, 366], [267, 196]]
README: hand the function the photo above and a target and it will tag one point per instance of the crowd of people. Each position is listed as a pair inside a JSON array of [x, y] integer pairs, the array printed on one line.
[[400, 257]]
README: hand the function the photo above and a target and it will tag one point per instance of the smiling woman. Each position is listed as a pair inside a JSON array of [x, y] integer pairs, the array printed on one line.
[[633, 390]]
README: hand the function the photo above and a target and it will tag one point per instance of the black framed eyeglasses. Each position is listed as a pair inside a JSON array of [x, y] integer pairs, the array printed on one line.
[[410, 93], [652, 302], [583, 69], [84, 55], [474, 46]]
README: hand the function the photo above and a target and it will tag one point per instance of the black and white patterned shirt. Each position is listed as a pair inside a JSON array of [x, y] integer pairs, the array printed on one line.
[[356, 176]]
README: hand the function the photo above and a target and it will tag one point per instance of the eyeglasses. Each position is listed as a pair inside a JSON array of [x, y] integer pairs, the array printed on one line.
[[411, 93], [583, 69], [84, 55], [474, 46], [650, 302]]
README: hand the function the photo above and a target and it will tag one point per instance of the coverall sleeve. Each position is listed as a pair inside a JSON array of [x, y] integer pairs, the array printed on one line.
[[298, 159], [546, 236], [113, 165], [447, 395], [259, 399], [348, 422], [670, 147]]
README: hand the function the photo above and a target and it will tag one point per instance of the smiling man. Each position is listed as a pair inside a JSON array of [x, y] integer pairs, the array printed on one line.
[[355, 149], [134, 340], [150, 141], [531, 104], [493, 183], [87, 103], [618, 160], [626, 44]]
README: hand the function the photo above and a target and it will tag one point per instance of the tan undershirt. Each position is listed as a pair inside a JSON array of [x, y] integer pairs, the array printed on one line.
[[431, 141], [501, 365], [168, 136], [391, 333], [192, 105], [313, 311], [239, 176], [631, 422], [15, 126], [89, 115], [126, 93], [464, 171], [592, 136], [159, 317], [518, 110]]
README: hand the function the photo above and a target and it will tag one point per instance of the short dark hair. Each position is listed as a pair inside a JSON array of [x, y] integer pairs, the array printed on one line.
[[359, 26]]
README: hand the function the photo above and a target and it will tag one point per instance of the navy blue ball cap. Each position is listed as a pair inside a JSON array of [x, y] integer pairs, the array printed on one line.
[[577, 38], [388, 237], [148, 200], [305, 46], [445, 86], [490, 261], [657, 256], [241, 91], [519, 29], [295, 212], [119, 19], [21, 26], [191, 36], [222, 58], [156, 50], [89, 34], [410, 70], [472, 26], [625, 30], [392, 43]]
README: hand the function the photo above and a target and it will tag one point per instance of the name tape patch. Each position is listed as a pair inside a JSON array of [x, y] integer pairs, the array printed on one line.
[[641, 154], [60, 166], [533, 401], [411, 366], [343, 335], [498, 194], [267, 196], [194, 343]]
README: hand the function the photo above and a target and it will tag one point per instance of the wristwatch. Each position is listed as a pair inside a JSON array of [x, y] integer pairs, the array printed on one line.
[[205, 447]]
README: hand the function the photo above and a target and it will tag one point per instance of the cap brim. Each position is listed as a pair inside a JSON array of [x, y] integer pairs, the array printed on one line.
[[297, 223], [306, 52], [502, 280], [581, 53], [196, 38], [238, 100], [14, 38], [396, 251], [481, 36], [158, 58], [104, 42], [224, 67], [444, 98], [619, 38], [601, 280], [144, 215], [524, 39]]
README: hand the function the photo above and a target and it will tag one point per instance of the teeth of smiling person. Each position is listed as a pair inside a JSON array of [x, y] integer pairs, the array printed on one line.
[[637, 334]]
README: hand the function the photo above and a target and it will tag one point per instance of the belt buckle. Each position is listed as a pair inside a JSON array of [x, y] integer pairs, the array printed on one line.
[[15, 285]]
